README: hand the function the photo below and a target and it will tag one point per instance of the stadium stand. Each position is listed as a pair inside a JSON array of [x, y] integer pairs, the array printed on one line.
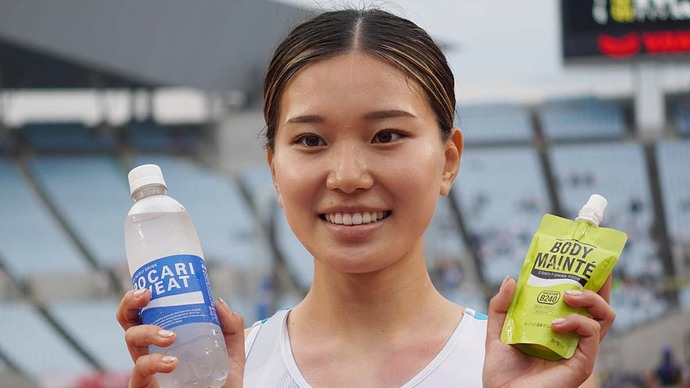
[[35, 347], [81, 187], [673, 158], [149, 136], [102, 332], [24, 218], [495, 123], [8, 142], [451, 265], [681, 115], [257, 180], [502, 196], [586, 118], [617, 170], [69, 137]]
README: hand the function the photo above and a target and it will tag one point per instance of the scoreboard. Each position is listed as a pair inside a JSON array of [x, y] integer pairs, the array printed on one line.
[[625, 30]]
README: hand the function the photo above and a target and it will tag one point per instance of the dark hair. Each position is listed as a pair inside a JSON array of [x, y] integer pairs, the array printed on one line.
[[393, 39]]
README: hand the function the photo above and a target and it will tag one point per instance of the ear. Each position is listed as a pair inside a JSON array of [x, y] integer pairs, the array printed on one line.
[[451, 167], [271, 166]]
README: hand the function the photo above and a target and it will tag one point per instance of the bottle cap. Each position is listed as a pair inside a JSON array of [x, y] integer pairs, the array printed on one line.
[[593, 211], [145, 175]]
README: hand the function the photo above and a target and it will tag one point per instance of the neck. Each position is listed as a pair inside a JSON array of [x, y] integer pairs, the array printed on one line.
[[379, 300]]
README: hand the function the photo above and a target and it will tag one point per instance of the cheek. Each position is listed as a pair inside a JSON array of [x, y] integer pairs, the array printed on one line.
[[294, 181]]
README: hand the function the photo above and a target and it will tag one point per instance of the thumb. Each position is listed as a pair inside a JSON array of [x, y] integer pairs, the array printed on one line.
[[232, 326], [498, 307]]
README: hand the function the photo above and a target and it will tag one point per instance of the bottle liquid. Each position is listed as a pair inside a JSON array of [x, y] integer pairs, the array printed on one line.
[[165, 256]]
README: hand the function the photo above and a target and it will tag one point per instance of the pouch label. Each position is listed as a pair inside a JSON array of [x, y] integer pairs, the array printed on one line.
[[566, 259]]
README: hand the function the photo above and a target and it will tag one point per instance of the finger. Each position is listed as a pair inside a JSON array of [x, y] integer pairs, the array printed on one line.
[[498, 307], [128, 311], [146, 368], [232, 326], [596, 306], [138, 339], [590, 335]]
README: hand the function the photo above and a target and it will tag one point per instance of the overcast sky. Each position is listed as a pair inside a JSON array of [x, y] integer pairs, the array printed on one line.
[[510, 50]]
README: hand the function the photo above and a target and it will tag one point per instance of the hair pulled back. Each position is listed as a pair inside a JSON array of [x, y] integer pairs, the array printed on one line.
[[395, 40]]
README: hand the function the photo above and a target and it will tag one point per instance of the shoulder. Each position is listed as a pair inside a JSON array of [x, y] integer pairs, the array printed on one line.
[[269, 327]]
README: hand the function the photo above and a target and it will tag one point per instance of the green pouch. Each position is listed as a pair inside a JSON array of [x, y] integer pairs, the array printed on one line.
[[564, 255]]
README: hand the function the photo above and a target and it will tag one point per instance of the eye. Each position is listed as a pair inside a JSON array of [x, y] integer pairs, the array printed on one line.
[[386, 136], [310, 141]]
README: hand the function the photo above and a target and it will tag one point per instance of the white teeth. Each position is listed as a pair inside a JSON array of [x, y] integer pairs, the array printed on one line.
[[354, 218]]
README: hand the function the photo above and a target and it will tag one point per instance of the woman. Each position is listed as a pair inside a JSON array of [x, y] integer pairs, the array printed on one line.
[[359, 108]]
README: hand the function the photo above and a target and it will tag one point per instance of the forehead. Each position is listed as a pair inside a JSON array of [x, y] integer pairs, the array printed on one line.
[[350, 81]]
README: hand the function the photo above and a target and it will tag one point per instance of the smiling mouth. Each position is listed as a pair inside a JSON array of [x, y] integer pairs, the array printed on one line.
[[355, 218]]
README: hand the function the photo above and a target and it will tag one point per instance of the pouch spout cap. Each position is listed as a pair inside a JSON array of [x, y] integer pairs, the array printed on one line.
[[593, 211]]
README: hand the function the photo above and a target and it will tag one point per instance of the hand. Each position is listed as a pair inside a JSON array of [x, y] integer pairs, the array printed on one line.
[[139, 336], [505, 365]]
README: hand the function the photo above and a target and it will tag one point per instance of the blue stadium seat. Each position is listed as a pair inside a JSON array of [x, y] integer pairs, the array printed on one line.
[[617, 171], [69, 137], [582, 119], [34, 346], [93, 326], [681, 115], [495, 123], [25, 219], [257, 180], [92, 195], [673, 158], [149, 136], [502, 195]]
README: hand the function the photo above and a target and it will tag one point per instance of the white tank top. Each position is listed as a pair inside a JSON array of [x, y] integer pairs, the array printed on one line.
[[270, 362]]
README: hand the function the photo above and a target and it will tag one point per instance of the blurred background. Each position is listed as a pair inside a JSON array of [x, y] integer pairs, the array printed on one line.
[[556, 99]]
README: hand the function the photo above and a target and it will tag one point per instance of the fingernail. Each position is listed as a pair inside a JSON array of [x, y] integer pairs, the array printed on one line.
[[224, 303], [574, 292], [169, 359], [558, 321], [165, 333], [139, 292], [505, 280]]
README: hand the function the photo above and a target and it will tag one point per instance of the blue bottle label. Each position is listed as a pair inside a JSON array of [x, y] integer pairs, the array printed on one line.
[[181, 292]]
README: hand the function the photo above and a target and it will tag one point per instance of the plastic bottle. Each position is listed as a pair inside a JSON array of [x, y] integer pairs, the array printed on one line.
[[165, 256]]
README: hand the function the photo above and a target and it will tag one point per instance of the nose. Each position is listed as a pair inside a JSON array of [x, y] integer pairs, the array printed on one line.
[[349, 170]]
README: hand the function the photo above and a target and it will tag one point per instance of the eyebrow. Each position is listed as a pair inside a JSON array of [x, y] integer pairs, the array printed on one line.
[[376, 115]]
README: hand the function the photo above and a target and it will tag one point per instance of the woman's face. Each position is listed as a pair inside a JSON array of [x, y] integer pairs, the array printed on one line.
[[359, 162]]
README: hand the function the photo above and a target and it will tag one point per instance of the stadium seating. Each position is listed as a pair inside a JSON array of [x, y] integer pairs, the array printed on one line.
[[616, 170], [92, 326], [582, 119], [257, 180], [681, 115], [25, 218], [34, 346], [495, 123], [90, 192], [673, 158], [502, 195], [69, 137]]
